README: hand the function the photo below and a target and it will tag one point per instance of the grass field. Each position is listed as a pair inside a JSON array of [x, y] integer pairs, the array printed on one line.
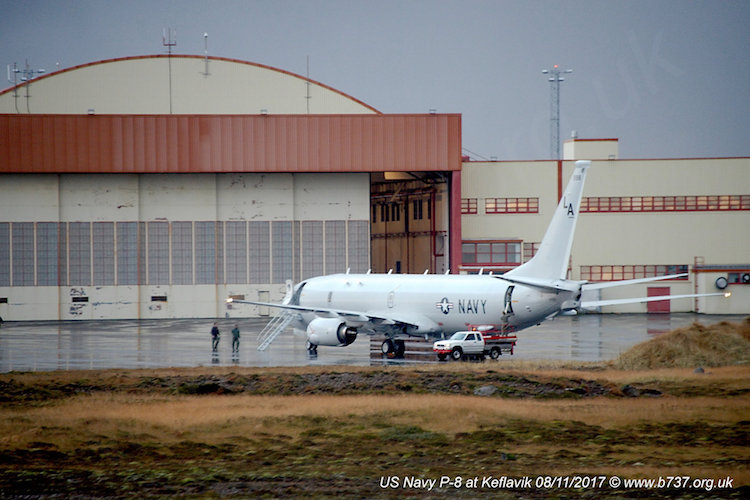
[[323, 432]]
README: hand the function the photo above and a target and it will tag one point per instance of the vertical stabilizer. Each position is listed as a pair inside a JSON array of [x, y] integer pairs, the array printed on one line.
[[551, 260]]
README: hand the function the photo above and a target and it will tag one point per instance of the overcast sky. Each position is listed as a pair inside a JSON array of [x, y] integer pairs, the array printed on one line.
[[669, 78]]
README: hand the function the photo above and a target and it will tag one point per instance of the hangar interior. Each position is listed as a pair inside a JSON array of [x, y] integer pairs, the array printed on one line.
[[157, 186]]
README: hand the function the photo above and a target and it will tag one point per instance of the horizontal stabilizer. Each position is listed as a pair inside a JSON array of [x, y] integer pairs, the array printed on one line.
[[545, 284], [590, 304], [611, 284]]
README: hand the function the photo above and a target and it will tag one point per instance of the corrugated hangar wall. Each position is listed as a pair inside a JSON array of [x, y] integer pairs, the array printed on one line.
[[172, 245]]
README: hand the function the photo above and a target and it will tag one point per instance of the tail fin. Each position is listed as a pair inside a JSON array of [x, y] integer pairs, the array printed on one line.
[[551, 260]]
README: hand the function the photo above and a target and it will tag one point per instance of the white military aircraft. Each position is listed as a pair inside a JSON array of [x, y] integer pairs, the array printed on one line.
[[333, 310]]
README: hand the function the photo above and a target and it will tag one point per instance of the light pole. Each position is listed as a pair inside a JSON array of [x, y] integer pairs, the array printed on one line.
[[554, 130]]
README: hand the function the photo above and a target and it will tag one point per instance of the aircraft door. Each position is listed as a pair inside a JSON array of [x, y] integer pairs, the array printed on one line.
[[508, 302]]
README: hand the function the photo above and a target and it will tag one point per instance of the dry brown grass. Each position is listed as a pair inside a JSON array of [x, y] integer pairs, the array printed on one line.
[[721, 344], [124, 438], [172, 419]]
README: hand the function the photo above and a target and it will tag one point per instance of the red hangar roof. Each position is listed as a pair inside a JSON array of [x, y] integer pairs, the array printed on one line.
[[31, 143]]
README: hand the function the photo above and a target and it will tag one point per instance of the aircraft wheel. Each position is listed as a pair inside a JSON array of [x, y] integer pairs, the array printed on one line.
[[442, 357], [457, 353], [312, 347], [400, 348], [387, 347], [495, 352]]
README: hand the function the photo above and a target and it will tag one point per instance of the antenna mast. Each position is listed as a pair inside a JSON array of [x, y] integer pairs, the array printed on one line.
[[205, 57], [28, 75], [307, 96], [166, 40], [554, 130]]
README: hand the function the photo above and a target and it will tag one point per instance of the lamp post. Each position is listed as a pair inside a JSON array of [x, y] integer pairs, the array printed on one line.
[[555, 79]]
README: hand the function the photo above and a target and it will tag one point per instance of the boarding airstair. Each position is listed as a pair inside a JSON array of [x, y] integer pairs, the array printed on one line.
[[274, 327]]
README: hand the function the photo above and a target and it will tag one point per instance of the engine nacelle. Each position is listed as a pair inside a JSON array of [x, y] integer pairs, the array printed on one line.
[[330, 332]]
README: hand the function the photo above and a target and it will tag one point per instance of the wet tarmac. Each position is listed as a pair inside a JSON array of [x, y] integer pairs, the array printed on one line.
[[76, 345]]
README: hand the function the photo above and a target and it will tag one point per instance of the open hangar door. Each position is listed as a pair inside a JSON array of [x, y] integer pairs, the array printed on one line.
[[410, 221]]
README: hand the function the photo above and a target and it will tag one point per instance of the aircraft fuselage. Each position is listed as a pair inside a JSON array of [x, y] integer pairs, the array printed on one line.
[[450, 303]]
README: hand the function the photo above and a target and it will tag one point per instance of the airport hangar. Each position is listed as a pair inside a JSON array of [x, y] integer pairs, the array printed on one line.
[[158, 186]]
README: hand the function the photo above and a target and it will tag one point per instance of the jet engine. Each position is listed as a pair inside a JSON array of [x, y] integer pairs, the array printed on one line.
[[330, 332]]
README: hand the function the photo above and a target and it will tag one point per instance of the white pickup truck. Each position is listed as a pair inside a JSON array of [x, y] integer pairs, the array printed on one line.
[[474, 343]]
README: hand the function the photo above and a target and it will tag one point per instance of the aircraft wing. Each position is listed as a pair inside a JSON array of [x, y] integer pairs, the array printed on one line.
[[590, 304], [375, 318]]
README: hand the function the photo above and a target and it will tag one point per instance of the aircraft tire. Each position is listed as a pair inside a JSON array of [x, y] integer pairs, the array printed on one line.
[[399, 348], [387, 346], [457, 353], [495, 352], [311, 347], [442, 357]]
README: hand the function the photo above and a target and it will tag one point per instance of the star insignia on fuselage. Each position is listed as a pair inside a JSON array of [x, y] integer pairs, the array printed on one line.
[[444, 305]]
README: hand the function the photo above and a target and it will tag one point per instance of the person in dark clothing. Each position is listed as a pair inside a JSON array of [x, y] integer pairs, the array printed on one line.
[[215, 337], [235, 339]]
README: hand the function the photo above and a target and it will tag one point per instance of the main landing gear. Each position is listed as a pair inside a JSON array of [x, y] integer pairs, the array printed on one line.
[[393, 348]]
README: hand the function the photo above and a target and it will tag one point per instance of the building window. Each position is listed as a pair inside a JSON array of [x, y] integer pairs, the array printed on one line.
[[468, 206], [491, 253], [23, 253], [158, 253], [629, 272], [312, 249], [358, 246], [418, 209], [47, 242], [260, 251], [236, 234], [104, 253], [282, 242], [182, 253], [127, 253], [511, 205], [79, 257], [208, 252], [335, 253], [384, 213], [718, 203], [395, 212], [4, 254]]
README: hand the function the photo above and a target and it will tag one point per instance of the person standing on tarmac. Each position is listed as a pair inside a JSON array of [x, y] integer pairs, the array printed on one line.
[[215, 337], [235, 339]]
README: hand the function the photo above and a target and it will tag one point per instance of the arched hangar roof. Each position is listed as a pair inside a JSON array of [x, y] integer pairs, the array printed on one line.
[[181, 113], [177, 84]]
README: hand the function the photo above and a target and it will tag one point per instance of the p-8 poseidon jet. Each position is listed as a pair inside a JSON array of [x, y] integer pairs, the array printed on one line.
[[332, 310]]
